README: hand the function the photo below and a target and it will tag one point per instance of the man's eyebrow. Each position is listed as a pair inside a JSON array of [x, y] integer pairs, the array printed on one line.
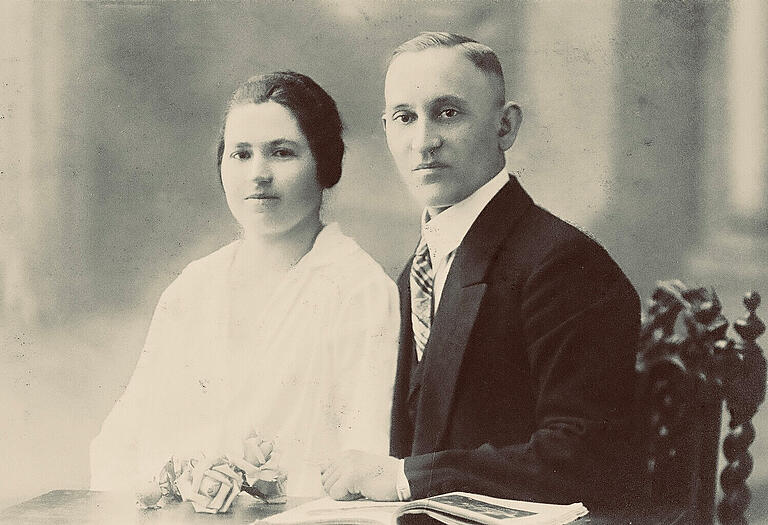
[[398, 107], [448, 100], [442, 100]]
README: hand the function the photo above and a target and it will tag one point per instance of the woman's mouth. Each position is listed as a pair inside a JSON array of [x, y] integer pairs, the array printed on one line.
[[261, 196]]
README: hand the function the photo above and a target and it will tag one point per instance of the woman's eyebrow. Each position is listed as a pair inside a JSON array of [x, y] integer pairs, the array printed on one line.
[[281, 141]]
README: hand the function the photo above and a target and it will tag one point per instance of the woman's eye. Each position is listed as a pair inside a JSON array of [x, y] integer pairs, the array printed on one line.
[[241, 154], [283, 153]]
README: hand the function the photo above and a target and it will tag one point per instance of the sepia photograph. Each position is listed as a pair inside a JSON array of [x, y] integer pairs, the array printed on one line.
[[258, 253]]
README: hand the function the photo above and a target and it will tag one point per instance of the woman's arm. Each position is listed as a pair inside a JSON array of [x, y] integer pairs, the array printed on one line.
[[118, 455], [365, 337]]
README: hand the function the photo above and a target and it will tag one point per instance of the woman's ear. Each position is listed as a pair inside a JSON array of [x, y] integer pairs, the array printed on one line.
[[511, 118]]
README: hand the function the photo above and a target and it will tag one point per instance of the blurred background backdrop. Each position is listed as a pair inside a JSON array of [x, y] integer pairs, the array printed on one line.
[[644, 123]]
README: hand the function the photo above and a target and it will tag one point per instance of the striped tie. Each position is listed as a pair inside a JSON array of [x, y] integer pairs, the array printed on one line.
[[421, 297]]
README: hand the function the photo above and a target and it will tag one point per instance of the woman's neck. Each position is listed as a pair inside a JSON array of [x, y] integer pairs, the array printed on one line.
[[278, 253]]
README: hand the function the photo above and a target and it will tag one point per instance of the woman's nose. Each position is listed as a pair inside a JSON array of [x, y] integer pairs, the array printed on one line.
[[261, 172]]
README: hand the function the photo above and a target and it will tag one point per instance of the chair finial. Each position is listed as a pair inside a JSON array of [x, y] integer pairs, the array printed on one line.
[[752, 301]]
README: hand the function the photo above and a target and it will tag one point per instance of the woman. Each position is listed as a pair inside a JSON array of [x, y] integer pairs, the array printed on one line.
[[290, 331]]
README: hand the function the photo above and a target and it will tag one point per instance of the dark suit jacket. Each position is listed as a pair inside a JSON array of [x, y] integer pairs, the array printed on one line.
[[528, 375]]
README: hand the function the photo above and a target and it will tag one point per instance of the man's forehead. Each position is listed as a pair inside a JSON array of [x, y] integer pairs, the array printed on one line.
[[416, 76]]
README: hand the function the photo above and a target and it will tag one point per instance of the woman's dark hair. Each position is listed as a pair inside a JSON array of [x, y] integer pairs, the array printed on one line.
[[313, 108]]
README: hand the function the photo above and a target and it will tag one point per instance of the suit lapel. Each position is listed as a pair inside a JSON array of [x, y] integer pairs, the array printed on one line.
[[404, 287], [401, 435], [460, 303], [407, 354]]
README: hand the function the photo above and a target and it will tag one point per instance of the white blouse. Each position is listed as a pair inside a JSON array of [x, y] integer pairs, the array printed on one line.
[[310, 365]]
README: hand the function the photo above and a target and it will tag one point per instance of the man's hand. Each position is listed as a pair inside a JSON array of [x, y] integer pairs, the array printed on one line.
[[354, 474]]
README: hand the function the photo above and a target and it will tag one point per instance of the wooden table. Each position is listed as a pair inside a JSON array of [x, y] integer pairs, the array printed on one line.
[[64, 507]]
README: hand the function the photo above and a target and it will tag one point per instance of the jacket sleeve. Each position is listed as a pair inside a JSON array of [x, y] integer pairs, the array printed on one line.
[[580, 321]]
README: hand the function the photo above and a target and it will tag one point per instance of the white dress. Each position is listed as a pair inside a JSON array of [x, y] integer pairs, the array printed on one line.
[[311, 366]]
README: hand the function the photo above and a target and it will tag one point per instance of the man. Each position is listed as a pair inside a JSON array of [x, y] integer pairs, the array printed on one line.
[[516, 367]]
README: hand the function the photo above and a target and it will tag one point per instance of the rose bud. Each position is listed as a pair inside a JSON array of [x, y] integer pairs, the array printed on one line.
[[253, 452], [267, 447], [149, 496], [258, 461], [167, 478], [273, 486]]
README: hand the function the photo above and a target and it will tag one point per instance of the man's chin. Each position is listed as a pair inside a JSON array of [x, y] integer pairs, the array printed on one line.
[[434, 198]]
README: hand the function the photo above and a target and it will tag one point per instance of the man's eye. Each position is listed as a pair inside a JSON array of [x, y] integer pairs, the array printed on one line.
[[449, 113], [403, 118], [241, 154]]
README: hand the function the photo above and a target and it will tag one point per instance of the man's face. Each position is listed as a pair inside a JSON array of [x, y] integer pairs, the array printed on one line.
[[442, 119]]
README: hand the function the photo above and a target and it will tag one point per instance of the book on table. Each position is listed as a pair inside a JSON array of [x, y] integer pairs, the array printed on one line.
[[454, 508]]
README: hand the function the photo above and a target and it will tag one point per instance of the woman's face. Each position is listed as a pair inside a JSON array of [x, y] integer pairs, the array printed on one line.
[[268, 170]]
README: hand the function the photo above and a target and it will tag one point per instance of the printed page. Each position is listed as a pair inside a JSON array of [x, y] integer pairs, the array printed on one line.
[[488, 510], [327, 510]]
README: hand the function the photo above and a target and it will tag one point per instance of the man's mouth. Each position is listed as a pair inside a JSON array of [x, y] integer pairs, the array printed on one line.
[[430, 166]]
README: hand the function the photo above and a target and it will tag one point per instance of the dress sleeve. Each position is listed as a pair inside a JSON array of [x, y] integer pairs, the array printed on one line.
[[120, 459], [364, 340]]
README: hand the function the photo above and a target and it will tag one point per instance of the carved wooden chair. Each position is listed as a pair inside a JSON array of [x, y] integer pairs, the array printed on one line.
[[689, 368]]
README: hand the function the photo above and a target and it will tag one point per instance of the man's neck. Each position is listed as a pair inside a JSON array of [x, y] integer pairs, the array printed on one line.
[[434, 211]]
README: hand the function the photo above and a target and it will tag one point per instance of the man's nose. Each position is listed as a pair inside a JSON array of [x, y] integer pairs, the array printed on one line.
[[427, 139]]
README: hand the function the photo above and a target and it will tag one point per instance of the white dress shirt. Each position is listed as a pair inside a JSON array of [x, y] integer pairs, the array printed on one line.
[[444, 233]]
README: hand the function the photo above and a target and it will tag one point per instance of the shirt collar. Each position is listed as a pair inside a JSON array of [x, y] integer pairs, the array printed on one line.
[[444, 232]]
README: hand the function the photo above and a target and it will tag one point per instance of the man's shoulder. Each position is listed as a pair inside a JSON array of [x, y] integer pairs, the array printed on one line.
[[546, 252], [539, 226], [524, 224], [541, 237]]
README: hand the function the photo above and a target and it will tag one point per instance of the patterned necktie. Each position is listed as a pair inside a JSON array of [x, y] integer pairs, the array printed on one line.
[[422, 279]]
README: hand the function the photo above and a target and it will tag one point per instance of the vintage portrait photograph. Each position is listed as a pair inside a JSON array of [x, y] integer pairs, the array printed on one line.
[[365, 261]]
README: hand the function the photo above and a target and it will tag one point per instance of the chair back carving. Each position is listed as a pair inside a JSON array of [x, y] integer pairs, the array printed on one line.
[[689, 368]]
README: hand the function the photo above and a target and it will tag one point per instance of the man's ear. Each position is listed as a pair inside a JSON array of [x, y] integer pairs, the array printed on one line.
[[511, 118], [384, 123]]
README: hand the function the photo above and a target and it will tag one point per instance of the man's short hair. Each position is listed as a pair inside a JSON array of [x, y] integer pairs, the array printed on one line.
[[479, 54]]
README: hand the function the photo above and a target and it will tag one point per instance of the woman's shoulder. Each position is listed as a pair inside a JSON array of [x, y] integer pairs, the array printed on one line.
[[203, 272], [214, 261], [340, 259]]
